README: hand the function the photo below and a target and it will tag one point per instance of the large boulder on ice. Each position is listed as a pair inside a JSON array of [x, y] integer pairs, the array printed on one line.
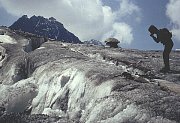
[[112, 42]]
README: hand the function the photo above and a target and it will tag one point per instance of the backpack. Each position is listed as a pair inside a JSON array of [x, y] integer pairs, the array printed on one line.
[[165, 32], [164, 35]]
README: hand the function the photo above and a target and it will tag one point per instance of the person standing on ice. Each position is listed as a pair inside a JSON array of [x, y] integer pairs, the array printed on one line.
[[163, 36]]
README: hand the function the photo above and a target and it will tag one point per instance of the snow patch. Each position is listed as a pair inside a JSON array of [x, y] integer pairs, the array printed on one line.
[[104, 89], [40, 48], [7, 39], [54, 113], [53, 86], [62, 90], [2, 60], [10, 75], [102, 109], [76, 87], [3, 56]]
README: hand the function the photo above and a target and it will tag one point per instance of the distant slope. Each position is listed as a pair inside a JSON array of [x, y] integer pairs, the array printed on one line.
[[94, 42], [45, 27]]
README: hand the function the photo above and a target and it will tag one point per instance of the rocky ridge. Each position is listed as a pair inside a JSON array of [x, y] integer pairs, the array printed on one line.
[[64, 82], [45, 27]]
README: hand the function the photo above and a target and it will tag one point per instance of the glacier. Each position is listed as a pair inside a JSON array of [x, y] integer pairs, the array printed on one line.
[[63, 82]]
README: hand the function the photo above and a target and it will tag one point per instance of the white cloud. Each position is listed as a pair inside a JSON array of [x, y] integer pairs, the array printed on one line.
[[85, 18], [173, 7], [128, 8]]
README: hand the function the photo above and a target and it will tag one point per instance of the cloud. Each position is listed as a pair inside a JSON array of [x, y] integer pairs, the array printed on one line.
[[128, 8], [87, 19], [173, 7]]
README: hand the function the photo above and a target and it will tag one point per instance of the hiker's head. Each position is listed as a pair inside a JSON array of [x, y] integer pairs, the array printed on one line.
[[152, 29]]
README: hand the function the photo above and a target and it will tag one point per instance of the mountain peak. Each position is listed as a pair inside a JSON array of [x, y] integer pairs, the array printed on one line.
[[94, 42], [52, 19], [48, 27], [24, 16]]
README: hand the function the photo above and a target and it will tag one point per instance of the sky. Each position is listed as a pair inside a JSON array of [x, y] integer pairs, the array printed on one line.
[[126, 20]]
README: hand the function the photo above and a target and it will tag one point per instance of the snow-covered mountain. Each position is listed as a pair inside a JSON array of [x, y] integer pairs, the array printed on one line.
[[44, 27], [74, 83], [93, 42]]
